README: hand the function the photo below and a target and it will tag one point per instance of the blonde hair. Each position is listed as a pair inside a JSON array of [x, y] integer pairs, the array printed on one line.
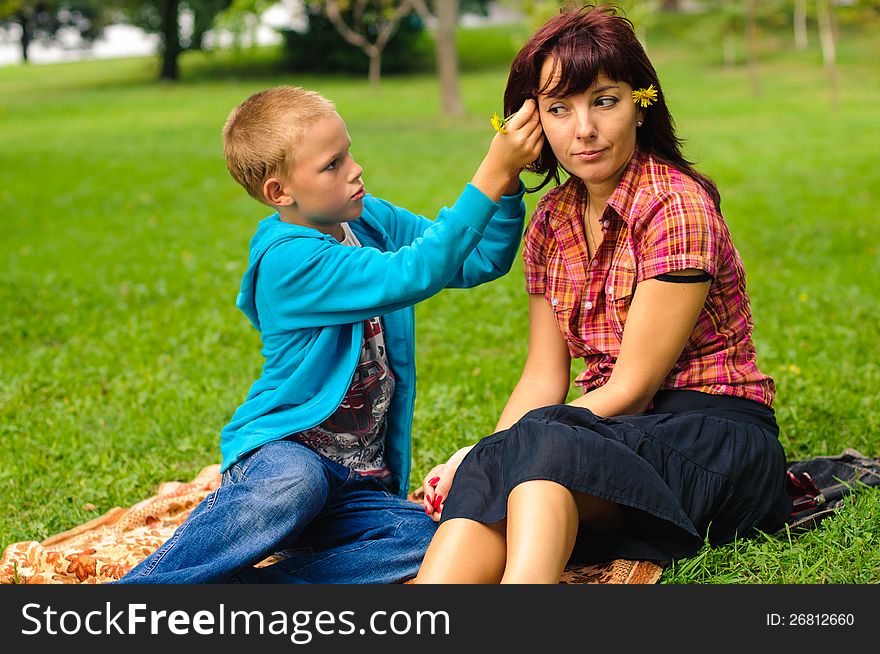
[[261, 134]]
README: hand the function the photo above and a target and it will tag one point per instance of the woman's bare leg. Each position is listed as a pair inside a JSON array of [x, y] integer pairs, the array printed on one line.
[[518, 550], [542, 523], [464, 552]]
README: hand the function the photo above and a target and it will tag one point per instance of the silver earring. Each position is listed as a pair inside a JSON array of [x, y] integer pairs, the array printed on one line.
[[639, 123]]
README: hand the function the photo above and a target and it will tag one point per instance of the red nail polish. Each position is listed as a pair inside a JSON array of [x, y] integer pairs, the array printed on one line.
[[433, 482], [436, 502]]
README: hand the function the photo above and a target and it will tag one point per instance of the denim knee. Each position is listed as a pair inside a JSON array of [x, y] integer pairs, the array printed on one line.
[[412, 529], [282, 478]]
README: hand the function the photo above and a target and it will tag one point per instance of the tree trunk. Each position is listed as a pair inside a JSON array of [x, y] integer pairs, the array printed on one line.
[[729, 44], [447, 56], [829, 50], [25, 36], [447, 12], [375, 73], [372, 50], [170, 40], [201, 25], [800, 25], [752, 45]]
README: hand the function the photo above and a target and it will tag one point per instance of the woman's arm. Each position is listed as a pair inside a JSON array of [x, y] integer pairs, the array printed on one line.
[[544, 381], [661, 318], [547, 372]]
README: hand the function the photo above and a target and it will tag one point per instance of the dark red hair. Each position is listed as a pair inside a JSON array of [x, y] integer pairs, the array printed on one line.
[[585, 43]]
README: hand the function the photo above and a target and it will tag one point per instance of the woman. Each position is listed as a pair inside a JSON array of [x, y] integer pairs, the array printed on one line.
[[629, 265]]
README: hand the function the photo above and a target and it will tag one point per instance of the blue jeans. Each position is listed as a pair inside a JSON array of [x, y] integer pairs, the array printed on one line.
[[332, 525]]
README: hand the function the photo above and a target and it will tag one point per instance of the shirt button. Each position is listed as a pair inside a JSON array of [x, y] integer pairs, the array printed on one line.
[[594, 262], [588, 305], [554, 301]]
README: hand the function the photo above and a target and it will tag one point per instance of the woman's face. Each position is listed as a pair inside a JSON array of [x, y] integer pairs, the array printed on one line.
[[592, 134]]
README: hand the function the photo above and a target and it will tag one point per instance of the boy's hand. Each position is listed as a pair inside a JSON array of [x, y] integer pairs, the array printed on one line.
[[522, 143], [438, 482], [511, 152]]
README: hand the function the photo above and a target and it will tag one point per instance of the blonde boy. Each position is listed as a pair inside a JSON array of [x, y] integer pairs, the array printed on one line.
[[316, 461]]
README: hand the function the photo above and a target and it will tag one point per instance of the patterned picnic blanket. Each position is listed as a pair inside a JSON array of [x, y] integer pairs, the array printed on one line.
[[105, 548]]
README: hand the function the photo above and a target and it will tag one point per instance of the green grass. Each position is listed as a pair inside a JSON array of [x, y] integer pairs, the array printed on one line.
[[124, 239]]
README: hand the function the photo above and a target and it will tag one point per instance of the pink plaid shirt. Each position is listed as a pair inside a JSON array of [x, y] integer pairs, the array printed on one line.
[[661, 221]]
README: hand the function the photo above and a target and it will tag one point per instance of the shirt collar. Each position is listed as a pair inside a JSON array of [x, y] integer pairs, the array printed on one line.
[[621, 200], [573, 193], [568, 203]]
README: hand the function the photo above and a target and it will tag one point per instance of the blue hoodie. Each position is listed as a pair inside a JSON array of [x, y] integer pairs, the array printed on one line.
[[308, 296]]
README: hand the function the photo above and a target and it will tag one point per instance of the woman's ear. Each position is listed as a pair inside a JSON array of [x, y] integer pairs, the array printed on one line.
[[276, 193], [640, 117]]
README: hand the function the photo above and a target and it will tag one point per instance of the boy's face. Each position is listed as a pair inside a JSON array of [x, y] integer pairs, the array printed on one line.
[[324, 183]]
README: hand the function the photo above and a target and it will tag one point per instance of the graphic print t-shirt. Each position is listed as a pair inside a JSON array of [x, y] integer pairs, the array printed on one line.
[[355, 434]]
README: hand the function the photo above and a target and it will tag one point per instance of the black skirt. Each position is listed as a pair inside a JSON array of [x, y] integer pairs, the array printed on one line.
[[694, 468]]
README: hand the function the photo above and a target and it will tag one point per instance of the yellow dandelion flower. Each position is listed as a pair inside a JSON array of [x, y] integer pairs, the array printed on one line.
[[645, 97], [498, 123]]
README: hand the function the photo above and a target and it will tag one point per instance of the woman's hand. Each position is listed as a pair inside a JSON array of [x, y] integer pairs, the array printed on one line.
[[438, 482]]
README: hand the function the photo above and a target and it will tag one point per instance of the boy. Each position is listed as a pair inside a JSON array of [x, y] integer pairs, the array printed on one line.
[[316, 461]]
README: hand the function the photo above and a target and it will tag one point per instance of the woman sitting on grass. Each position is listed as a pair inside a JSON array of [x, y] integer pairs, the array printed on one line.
[[630, 266]]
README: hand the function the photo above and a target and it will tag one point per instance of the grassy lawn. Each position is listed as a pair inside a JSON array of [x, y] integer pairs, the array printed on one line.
[[124, 239]]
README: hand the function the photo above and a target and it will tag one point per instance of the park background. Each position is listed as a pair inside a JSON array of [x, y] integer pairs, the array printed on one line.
[[122, 353]]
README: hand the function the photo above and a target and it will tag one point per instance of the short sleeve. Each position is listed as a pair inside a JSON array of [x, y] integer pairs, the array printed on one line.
[[536, 242], [683, 231]]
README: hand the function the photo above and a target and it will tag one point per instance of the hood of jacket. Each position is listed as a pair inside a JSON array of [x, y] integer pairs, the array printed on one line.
[[270, 232]]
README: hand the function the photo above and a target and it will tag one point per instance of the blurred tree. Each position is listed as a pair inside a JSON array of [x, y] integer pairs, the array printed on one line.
[[480, 7], [537, 12], [163, 18], [828, 39], [724, 21], [204, 12], [367, 24], [410, 50], [862, 15], [799, 21], [237, 18], [447, 14], [42, 20], [643, 14], [752, 45]]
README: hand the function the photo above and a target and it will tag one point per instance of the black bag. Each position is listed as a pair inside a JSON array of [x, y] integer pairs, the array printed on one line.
[[818, 486]]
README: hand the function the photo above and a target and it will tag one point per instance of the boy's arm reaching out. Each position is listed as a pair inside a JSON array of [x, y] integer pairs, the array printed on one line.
[[313, 282], [492, 256]]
